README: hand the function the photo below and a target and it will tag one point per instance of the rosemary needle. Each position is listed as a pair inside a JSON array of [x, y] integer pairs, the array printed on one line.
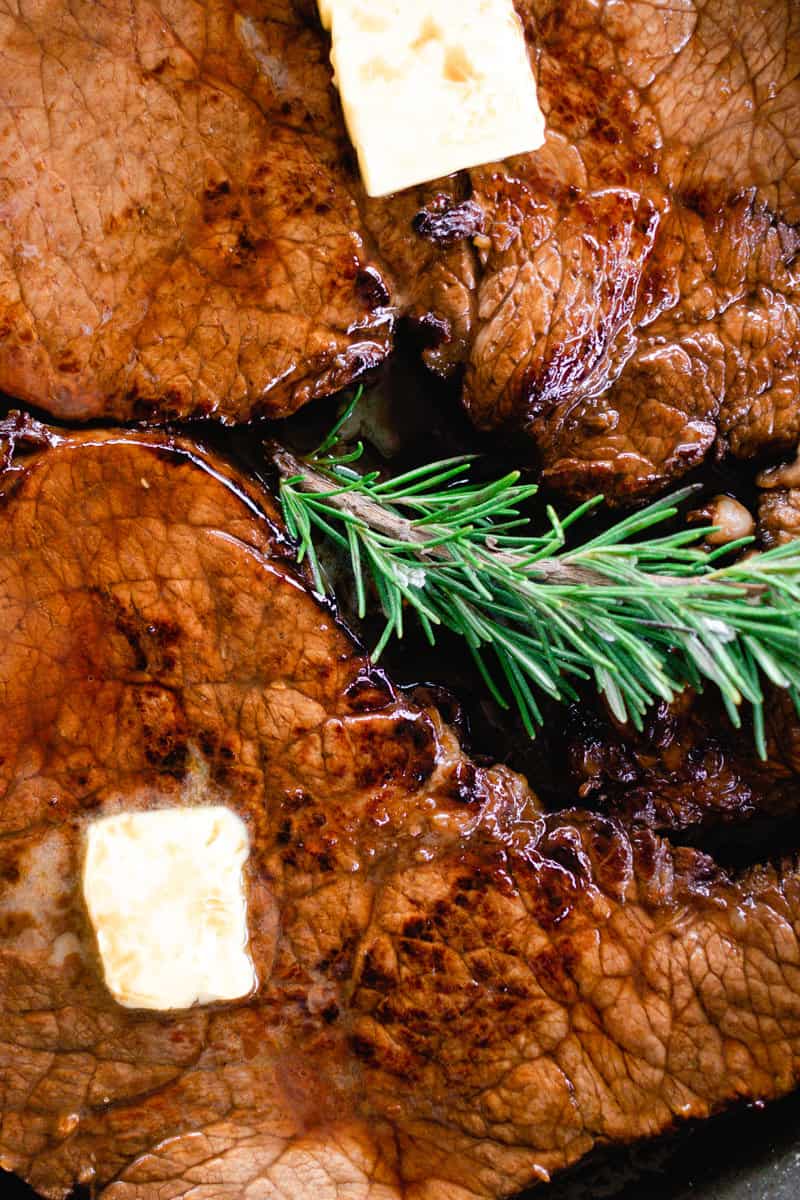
[[643, 616]]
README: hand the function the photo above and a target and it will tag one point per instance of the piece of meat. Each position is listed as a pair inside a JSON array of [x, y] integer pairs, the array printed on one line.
[[779, 513], [178, 231], [779, 504], [628, 295], [458, 995], [688, 770], [638, 300], [183, 228]]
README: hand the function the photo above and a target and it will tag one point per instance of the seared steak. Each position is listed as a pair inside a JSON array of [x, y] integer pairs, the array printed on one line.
[[640, 291], [184, 231], [458, 995], [688, 770], [177, 234], [779, 505]]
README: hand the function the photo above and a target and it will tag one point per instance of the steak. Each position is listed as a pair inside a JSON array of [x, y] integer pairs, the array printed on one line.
[[458, 994], [779, 504], [638, 300], [688, 770], [627, 295], [178, 232]]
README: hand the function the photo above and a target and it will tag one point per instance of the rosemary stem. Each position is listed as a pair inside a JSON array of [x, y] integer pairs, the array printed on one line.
[[642, 616], [377, 516]]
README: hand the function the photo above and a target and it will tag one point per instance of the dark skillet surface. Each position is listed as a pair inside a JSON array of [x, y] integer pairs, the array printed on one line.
[[747, 1154]]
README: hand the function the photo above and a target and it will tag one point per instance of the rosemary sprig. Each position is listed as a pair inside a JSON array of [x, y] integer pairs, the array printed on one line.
[[643, 617]]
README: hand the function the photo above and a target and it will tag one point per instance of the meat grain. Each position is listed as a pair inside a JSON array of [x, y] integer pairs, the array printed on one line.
[[178, 233], [779, 504], [457, 994], [184, 233], [688, 771], [638, 300]]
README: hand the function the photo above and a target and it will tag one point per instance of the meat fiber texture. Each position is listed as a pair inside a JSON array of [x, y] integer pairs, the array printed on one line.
[[779, 505], [184, 233], [458, 995]]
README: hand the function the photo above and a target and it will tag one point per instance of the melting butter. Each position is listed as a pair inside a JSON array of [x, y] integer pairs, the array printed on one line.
[[429, 87], [165, 893]]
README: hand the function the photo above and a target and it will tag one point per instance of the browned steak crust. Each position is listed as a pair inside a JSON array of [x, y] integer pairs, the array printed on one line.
[[688, 770], [184, 232], [639, 292], [179, 234], [779, 504], [457, 994]]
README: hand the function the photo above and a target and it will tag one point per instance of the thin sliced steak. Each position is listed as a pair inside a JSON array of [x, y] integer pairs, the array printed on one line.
[[458, 995], [639, 295], [688, 770], [779, 504], [178, 235], [184, 232]]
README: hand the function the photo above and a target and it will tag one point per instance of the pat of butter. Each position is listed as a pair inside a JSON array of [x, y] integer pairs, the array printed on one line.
[[429, 87], [166, 897]]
